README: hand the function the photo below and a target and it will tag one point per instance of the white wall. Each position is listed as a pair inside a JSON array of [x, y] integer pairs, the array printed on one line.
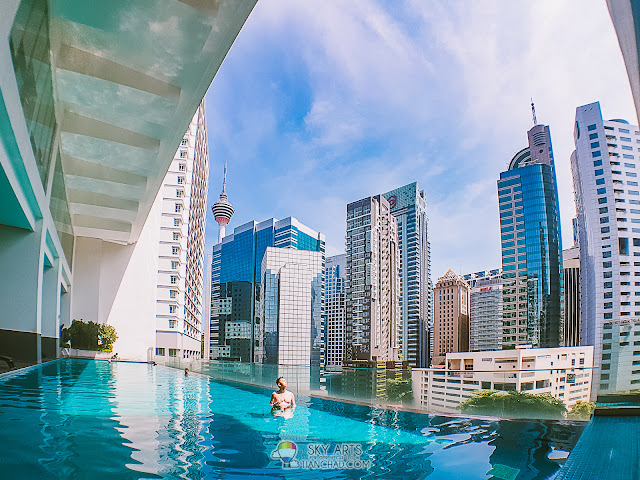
[[116, 284]]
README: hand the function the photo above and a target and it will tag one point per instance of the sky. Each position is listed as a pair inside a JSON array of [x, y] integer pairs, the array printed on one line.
[[322, 103]]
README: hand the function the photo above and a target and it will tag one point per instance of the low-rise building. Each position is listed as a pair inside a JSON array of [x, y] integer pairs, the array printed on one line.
[[563, 372]]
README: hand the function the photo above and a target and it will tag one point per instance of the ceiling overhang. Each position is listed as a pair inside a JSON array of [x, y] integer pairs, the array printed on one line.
[[128, 76]]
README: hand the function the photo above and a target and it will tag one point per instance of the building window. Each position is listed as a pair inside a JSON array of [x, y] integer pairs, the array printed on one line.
[[175, 250], [597, 163], [178, 207], [176, 222], [601, 191], [596, 154], [173, 352], [183, 154], [173, 293], [174, 265], [182, 167], [174, 279], [604, 230], [176, 236], [183, 142], [180, 180], [591, 128], [179, 193], [174, 308], [602, 200], [160, 351]]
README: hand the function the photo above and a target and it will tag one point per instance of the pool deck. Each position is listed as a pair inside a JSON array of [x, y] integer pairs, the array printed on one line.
[[609, 448]]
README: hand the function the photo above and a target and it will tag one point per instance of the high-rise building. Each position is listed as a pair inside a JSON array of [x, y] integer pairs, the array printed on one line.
[[571, 266], [451, 316], [485, 315], [373, 281], [531, 246], [605, 168], [206, 308], [409, 207], [236, 278], [336, 311], [181, 263], [291, 308]]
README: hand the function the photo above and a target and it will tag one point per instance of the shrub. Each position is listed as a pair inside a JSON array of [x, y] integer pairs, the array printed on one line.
[[581, 411], [513, 404], [90, 336], [399, 390]]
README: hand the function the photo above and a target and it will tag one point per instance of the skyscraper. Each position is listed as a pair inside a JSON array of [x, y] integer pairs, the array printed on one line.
[[291, 308], [451, 316], [236, 278], [531, 245], [181, 262], [336, 311], [409, 207], [373, 282], [605, 178]]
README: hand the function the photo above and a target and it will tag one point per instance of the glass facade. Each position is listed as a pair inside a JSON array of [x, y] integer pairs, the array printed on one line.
[[531, 246], [236, 280], [292, 293], [409, 207], [30, 50]]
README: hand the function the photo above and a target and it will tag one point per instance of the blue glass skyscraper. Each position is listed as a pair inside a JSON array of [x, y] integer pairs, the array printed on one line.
[[531, 246], [235, 275], [409, 207]]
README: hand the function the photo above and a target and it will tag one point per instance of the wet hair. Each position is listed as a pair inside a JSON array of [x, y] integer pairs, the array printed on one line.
[[278, 379]]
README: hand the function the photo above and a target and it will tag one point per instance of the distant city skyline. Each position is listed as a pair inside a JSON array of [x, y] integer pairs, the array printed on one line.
[[412, 96]]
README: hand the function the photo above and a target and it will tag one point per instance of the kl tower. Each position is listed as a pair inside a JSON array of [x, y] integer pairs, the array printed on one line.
[[222, 209]]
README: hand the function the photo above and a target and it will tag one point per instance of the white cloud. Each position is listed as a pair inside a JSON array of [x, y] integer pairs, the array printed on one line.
[[436, 92]]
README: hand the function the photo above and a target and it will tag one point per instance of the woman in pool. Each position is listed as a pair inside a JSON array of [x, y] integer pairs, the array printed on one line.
[[282, 399]]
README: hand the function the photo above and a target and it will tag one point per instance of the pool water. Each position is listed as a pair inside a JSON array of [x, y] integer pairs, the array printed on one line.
[[91, 419]]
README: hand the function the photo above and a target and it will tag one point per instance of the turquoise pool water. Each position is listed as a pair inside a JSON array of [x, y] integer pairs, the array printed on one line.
[[89, 419]]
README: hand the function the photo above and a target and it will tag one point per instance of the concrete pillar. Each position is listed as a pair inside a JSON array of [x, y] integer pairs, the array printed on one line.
[[50, 310], [21, 267]]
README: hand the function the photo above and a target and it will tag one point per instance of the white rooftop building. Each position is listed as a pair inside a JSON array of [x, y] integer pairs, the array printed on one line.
[[564, 373]]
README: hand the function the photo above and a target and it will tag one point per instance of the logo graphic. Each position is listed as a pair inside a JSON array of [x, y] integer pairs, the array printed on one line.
[[393, 201], [285, 452], [322, 456]]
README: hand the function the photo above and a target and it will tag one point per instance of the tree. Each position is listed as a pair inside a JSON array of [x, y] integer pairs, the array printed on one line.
[[513, 404], [581, 411]]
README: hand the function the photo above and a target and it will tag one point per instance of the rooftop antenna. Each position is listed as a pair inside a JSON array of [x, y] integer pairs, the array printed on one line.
[[533, 109]]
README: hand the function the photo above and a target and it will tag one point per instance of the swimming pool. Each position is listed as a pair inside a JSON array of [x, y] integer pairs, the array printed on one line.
[[90, 419]]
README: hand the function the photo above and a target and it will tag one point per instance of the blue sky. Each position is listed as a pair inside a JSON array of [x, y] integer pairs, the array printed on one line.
[[322, 103]]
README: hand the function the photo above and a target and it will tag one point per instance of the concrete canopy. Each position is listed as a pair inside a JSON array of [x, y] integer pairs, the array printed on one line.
[[128, 76]]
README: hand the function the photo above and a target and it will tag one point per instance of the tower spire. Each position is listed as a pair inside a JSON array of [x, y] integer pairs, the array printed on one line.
[[222, 209], [224, 183], [533, 110]]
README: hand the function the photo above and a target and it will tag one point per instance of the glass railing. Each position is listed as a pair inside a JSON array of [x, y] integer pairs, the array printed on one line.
[[545, 393]]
